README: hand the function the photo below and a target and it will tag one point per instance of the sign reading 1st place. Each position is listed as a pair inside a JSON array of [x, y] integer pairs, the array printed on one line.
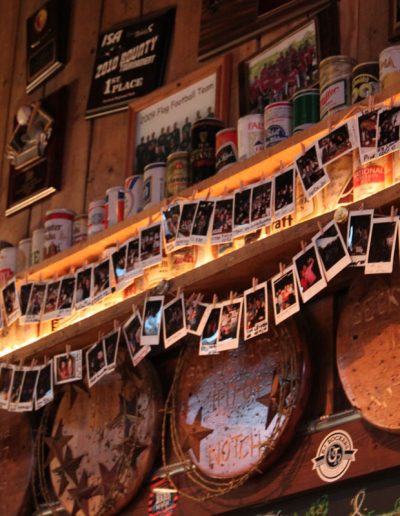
[[130, 62]]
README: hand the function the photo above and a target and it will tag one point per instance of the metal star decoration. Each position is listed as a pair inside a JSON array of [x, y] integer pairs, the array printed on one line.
[[270, 400], [195, 433], [57, 443], [82, 494]]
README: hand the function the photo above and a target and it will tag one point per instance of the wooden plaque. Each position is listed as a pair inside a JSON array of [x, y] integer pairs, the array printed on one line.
[[368, 349], [104, 441], [238, 410]]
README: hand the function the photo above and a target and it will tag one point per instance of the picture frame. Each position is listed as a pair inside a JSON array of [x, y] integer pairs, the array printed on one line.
[[177, 105], [394, 20]]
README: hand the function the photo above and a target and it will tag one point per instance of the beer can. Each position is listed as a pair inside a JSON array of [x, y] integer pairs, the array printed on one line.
[[114, 205], [24, 254], [250, 135], [153, 183], [80, 228], [389, 66], [305, 109], [58, 231], [8, 262], [335, 84], [278, 121], [133, 195], [202, 156], [96, 217], [178, 176], [37, 246], [371, 177], [365, 80], [226, 148]]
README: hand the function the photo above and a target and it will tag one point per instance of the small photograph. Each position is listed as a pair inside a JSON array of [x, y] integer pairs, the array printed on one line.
[[285, 295], [174, 321], [111, 344], [28, 389], [284, 193], [209, 337], [11, 302], [36, 303], [186, 221], [338, 142], [132, 330], [44, 386], [24, 293], [312, 177], [16, 388], [150, 245], [381, 245], [241, 211], [255, 311], [6, 380], [151, 328], [229, 324], [68, 367], [101, 280], [95, 363], [66, 297], [118, 260], [83, 290], [170, 222], [201, 223], [196, 316], [261, 204], [309, 273], [51, 300], [388, 131], [331, 250], [358, 230], [133, 266], [222, 224], [367, 129]]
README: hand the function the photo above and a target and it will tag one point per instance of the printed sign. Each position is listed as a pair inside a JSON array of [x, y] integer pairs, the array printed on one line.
[[334, 456]]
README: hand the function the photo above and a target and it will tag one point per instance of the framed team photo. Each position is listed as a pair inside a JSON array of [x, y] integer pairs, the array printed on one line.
[[309, 272], [255, 311]]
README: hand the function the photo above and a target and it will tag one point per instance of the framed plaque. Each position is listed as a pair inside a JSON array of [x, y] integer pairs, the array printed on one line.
[[47, 33], [130, 62]]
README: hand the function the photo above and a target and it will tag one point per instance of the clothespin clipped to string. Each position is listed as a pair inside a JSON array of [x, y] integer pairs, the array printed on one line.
[[371, 103], [21, 362], [330, 122], [281, 267], [45, 360], [391, 102], [319, 225], [225, 191], [231, 296], [191, 298], [194, 194], [199, 299], [68, 350], [254, 283], [208, 194], [361, 205], [241, 186], [393, 212], [100, 335], [178, 292], [150, 220], [134, 309], [214, 300], [303, 245], [262, 177], [33, 362], [303, 149], [281, 165], [116, 324]]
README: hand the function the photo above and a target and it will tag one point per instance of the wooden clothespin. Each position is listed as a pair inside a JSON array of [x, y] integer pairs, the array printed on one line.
[[361, 205], [393, 212], [178, 292], [303, 149], [199, 299], [33, 362], [281, 165], [116, 324], [281, 267], [150, 220], [21, 362], [100, 335], [319, 225], [194, 194], [191, 298], [68, 349], [371, 103], [214, 300], [330, 122], [208, 194], [241, 186], [254, 283], [45, 360], [391, 102], [303, 245], [231, 295], [134, 308], [225, 191], [262, 177]]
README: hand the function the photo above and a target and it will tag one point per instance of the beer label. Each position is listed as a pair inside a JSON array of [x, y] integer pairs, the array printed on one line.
[[333, 96], [363, 86], [226, 155]]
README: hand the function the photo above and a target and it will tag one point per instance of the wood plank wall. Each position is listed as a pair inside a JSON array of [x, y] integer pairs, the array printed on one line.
[[95, 150]]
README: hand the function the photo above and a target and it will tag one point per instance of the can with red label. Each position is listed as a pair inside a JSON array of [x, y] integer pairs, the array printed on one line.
[[278, 121], [202, 156], [226, 145], [8, 262], [58, 231], [37, 246], [96, 216], [153, 183], [115, 205], [178, 176], [133, 195], [335, 75], [80, 228], [250, 135]]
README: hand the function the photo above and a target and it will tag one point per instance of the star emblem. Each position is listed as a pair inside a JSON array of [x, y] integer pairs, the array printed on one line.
[[57, 443], [195, 433], [270, 400], [82, 494], [68, 467], [108, 477]]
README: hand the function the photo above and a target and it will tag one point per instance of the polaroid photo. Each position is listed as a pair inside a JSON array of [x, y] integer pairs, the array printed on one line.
[[83, 287], [170, 222], [222, 224], [229, 324], [285, 193], [11, 305], [196, 316], [118, 260], [285, 295], [388, 134], [152, 316], [255, 311], [24, 293], [367, 129], [111, 344], [332, 250], [44, 387], [202, 220], [65, 301], [68, 367], [358, 230], [309, 272], [381, 245], [132, 330], [312, 176], [101, 285], [261, 204], [51, 300], [174, 321], [337, 143], [6, 381], [133, 265], [241, 211], [150, 245], [16, 387], [186, 221], [95, 363], [36, 303], [28, 389], [209, 337]]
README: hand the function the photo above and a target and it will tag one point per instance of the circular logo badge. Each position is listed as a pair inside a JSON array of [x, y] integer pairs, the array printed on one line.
[[40, 20], [335, 453]]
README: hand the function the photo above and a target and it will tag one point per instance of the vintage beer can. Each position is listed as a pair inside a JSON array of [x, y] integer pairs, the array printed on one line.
[[389, 66], [250, 135], [278, 121], [153, 183], [365, 80], [80, 228], [37, 246], [114, 205], [226, 148], [96, 216], [24, 254], [178, 176], [133, 195], [58, 231], [202, 156], [8, 262], [305, 109], [335, 84], [372, 177]]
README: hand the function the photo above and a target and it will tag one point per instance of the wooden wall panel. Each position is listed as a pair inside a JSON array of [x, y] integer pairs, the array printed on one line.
[[349, 19], [372, 29]]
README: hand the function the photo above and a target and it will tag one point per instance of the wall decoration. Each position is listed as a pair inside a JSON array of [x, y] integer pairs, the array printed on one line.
[[394, 20], [334, 456], [130, 62]]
